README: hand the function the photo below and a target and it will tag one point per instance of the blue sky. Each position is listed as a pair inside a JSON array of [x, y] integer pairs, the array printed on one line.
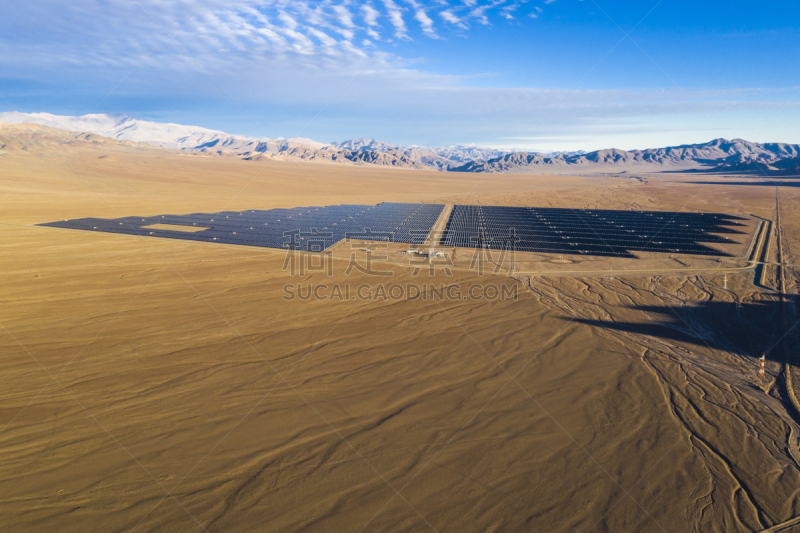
[[526, 75]]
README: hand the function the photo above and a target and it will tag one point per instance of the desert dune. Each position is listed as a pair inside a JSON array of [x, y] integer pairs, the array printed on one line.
[[166, 385]]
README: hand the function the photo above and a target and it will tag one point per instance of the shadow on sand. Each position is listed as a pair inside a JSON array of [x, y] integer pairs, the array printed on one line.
[[761, 183], [746, 328]]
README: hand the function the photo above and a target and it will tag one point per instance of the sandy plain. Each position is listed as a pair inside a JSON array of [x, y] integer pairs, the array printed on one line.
[[160, 385]]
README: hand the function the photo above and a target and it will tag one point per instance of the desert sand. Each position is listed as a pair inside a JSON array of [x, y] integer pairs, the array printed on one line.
[[165, 385]]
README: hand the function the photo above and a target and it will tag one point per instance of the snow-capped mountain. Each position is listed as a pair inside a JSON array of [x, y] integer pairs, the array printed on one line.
[[165, 135], [458, 153]]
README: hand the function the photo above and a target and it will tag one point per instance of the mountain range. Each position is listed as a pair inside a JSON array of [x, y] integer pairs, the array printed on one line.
[[719, 155]]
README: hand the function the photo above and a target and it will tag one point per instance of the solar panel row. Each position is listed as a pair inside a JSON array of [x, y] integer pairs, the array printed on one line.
[[612, 233], [301, 228]]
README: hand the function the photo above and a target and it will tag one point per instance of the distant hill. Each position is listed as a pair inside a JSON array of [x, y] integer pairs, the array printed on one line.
[[202, 140], [719, 155], [783, 167], [392, 158], [39, 139]]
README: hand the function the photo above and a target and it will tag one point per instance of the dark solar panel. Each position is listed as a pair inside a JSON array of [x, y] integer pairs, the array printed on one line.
[[300, 228], [610, 233]]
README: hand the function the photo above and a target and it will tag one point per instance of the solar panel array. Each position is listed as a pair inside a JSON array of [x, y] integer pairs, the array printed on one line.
[[587, 231], [311, 229]]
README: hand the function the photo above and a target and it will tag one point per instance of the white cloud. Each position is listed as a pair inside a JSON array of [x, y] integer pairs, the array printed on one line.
[[370, 15], [287, 20], [343, 16], [396, 18], [115, 32], [508, 11], [295, 56], [324, 38], [479, 12], [426, 23], [448, 16]]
